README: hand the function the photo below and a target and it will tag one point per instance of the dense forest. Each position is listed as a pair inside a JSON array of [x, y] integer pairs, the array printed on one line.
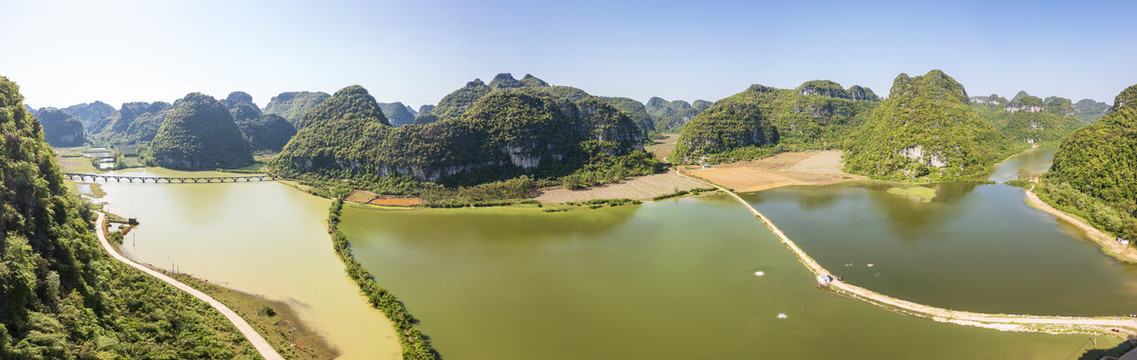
[[819, 114], [1029, 119], [293, 105], [61, 297], [60, 129], [926, 128], [1095, 170], [199, 134], [514, 132]]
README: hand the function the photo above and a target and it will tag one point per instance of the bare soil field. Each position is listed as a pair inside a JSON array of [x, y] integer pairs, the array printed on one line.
[[663, 147], [644, 187], [370, 198], [799, 168]]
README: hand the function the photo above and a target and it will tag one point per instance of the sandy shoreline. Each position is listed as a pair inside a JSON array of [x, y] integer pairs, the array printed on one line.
[[1107, 242]]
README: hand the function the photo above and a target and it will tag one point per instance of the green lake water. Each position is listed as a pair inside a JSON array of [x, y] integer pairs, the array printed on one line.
[[260, 238], [975, 247], [665, 280], [668, 280]]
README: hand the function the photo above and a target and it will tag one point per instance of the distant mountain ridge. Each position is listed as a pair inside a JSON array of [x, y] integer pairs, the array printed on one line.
[[762, 120]]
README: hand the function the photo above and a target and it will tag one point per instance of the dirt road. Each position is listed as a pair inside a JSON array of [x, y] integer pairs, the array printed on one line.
[[1120, 327], [259, 343]]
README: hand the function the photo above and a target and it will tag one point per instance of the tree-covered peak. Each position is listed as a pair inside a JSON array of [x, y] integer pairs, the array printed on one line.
[[476, 83], [1126, 99], [505, 81], [238, 97], [759, 88], [350, 103], [822, 88], [199, 134], [1024, 99], [857, 92], [935, 84], [530, 80]]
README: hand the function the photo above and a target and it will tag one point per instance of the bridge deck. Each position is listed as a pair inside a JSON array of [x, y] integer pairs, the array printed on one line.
[[169, 179]]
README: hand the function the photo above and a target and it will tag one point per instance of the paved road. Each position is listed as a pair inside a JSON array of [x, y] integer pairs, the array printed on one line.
[[1116, 326], [258, 342]]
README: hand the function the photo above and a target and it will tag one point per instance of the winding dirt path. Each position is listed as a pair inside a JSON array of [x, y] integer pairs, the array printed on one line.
[[1120, 327], [259, 343]]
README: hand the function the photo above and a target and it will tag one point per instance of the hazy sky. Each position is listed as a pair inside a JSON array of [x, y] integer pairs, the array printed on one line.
[[67, 52]]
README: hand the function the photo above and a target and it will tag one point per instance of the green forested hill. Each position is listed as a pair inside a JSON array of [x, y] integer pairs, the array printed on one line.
[[1028, 119], [634, 110], [672, 115], [199, 134], [135, 122], [724, 128], [509, 133], [293, 105], [819, 114], [61, 129], [926, 128], [61, 297], [456, 103], [263, 132], [1090, 111], [1095, 170]]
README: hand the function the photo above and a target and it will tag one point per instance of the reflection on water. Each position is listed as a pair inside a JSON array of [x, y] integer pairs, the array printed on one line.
[[1025, 165], [666, 280], [976, 247]]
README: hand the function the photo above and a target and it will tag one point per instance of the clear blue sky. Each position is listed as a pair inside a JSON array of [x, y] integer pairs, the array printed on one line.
[[67, 52]]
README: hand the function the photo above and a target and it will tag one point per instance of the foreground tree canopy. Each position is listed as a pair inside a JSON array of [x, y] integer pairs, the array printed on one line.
[[61, 297]]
